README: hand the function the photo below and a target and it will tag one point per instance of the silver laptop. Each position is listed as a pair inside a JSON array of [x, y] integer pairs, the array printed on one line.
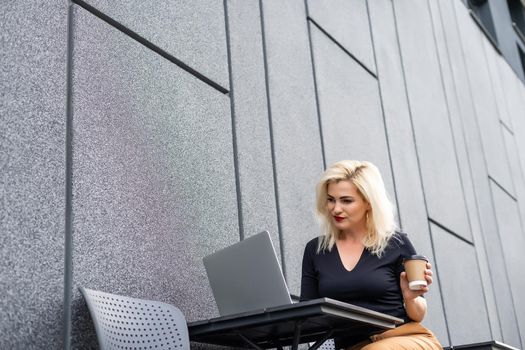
[[247, 276]]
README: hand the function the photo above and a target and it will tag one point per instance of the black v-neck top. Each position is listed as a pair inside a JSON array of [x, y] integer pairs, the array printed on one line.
[[373, 283]]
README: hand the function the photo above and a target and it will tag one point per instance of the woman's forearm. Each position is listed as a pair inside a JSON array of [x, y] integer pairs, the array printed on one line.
[[416, 308]]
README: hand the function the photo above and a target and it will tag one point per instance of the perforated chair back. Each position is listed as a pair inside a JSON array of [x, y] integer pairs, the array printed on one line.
[[328, 345], [129, 323]]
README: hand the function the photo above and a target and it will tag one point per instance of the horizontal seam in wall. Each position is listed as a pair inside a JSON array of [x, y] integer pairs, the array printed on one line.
[[502, 188], [341, 46], [150, 45], [506, 127], [441, 226]]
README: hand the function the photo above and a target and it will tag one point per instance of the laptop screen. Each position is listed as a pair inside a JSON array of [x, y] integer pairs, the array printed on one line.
[[247, 276]]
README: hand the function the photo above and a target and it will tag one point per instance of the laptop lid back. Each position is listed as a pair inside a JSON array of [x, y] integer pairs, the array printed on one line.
[[247, 276]]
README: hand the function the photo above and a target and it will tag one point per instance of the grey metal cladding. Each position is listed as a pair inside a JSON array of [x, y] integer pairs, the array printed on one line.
[[347, 22], [153, 175], [484, 99], [434, 139], [476, 188], [513, 244], [462, 289], [350, 108], [296, 136], [409, 190], [252, 134]]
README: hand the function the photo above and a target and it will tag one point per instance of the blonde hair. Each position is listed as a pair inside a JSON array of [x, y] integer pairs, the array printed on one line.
[[380, 224]]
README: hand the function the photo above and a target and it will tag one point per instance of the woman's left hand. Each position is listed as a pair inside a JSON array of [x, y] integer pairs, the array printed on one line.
[[409, 294]]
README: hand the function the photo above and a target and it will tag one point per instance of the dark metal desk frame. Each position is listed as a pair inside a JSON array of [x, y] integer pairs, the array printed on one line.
[[310, 321]]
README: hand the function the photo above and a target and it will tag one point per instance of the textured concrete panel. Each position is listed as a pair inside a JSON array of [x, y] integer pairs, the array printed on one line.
[[192, 31], [350, 108], [296, 136], [32, 168], [154, 184], [409, 190], [347, 22], [462, 289], [475, 180], [434, 140], [506, 320], [251, 119], [484, 103], [513, 243]]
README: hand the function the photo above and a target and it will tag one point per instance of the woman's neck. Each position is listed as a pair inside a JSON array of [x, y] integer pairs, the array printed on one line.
[[355, 235]]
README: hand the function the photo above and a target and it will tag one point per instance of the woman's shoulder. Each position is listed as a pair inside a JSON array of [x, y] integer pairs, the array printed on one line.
[[399, 239], [313, 244], [400, 244]]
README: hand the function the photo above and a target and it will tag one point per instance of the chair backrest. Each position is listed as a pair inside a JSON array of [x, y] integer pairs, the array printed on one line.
[[129, 323], [328, 345]]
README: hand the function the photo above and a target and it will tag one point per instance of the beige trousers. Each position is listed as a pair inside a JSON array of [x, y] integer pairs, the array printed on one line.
[[410, 336]]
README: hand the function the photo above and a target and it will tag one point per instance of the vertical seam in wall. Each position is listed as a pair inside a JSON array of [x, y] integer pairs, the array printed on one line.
[[68, 215], [522, 179], [317, 103], [469, 84], [383, 115], [494, 208], [234, 130], [421, 175], [447, 106], [504, 263], [457, 161], [513, 140], [499, 119], [272, 142]]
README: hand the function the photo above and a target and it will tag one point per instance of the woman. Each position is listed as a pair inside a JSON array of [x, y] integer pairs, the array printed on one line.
[[359, 259]]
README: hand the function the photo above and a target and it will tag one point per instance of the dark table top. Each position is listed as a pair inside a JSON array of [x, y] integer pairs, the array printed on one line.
[[275, 326]]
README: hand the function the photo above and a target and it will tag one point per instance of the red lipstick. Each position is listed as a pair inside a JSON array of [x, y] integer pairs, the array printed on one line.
[[339, 218]]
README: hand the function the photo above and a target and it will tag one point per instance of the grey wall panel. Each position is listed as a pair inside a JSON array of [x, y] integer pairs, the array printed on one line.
[[511, 96], [484, 102], [153, 176], [347, 22], [513, 243], [517, 172], [515, 102], [454, 99], [32, 155], [192, 31], [427, 101], [298, 155], [251, 119], [462, 289], [410, 197], [350, 108], [498, 276], [493, 60], [475, 189]]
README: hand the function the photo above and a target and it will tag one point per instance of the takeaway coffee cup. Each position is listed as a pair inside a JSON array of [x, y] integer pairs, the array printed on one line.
[[415, 267]]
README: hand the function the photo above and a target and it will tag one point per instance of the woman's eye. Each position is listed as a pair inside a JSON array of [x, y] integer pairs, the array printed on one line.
[[347, 201], [330, 200]]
